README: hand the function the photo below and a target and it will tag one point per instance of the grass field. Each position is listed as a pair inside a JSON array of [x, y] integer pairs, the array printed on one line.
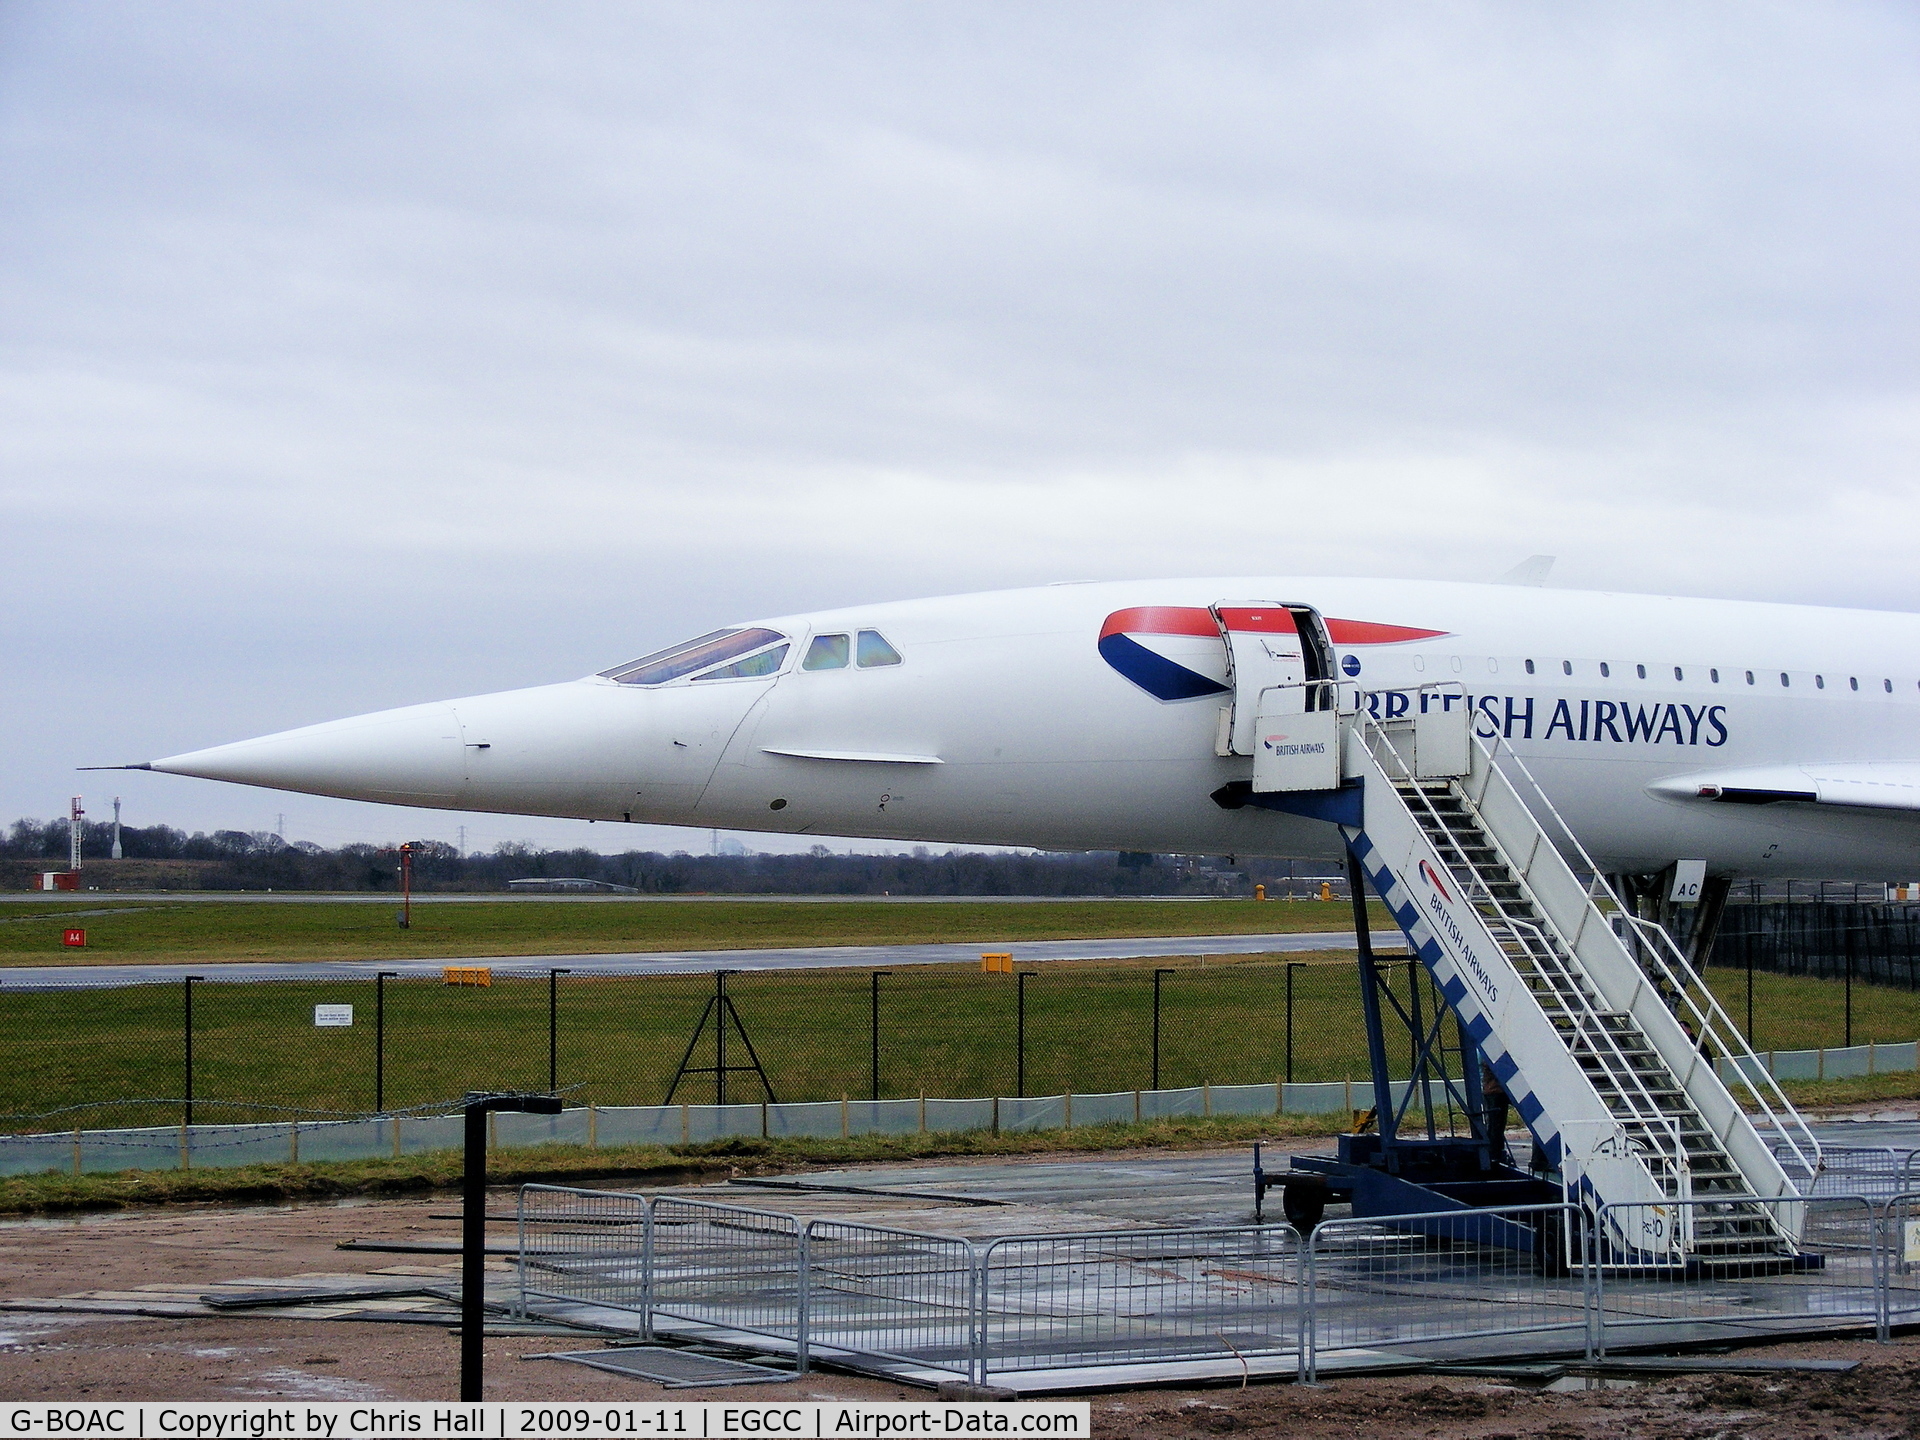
[[207, 932], [944, 1030]]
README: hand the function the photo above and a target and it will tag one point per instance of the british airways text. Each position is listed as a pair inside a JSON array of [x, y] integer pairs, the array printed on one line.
[[1614, 722]]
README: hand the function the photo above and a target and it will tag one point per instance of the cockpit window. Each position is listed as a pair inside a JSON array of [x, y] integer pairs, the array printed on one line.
[[874, 650], [765, 663], [827, 652], [692, 655]]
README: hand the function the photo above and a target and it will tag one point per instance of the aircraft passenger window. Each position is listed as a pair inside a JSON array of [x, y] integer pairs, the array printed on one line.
[[1749, 677], [1889, 685], [1605, 670], [1676, 673], [1566, 667], [1641, 671], [827, 652], [874, 650], [690, 655], [1784, 682], [765, 663], [1529, 667], [1819, 682], [1714, 675], [1853, 682]]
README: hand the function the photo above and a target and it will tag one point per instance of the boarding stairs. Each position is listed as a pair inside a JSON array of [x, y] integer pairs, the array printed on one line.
[[1606, 1039]]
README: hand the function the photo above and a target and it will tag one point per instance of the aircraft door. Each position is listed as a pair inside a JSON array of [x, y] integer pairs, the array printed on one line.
[[1279, 662]]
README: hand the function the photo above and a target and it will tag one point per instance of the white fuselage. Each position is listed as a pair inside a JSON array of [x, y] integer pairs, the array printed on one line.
[[1009, 720]]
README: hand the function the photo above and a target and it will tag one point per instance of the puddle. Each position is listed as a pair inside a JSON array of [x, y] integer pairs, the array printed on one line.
[[1580, 1384], [286, 1383], [23, 1330]]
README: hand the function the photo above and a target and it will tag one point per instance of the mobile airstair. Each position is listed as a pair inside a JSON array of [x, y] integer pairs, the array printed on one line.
[[1612, 1049]]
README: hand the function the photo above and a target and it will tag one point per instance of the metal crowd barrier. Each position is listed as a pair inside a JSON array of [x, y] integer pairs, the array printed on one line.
[[1166, 1303], [1872, 1170], [1900, 1261], [893, 1299], [587, 1247], [1736, 1286], [1453, 1276], [1141, 1298], [726, 1268]]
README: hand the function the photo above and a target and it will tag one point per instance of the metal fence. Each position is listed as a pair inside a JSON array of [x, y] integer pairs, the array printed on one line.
[[1462, 1283], [218, 1050], [586, 1247], [897, 1301], [1900, 1259], [1140, 1299], [1735, 1286], [1876, 1171], [1463, 1286], [1878, 944], [212, 1051], [726, 1269]]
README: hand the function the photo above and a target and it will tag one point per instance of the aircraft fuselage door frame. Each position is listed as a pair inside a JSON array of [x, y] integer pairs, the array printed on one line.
[[1277, 655]]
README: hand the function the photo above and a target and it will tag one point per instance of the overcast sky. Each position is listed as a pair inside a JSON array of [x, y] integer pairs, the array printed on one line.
[[357, 355]]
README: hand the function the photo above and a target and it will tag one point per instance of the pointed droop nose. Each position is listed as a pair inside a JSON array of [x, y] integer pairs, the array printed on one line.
[[412, 756]]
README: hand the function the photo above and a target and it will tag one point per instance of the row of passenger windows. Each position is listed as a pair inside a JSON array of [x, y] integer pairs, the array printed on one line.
[[1713, 676], [742, 654]]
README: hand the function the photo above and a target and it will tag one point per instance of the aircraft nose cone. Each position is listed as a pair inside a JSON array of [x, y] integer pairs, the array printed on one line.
[[412, 756]]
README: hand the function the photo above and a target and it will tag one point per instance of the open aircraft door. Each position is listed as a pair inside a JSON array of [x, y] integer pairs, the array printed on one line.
[[1286, 702]]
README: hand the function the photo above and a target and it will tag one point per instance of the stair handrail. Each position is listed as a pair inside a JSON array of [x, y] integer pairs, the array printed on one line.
[[1585, 1016], [1672, 1172], [1589, 1022], [1714, 1022]]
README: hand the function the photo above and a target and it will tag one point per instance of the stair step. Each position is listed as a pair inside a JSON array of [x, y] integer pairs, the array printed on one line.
[[1631, 1078]]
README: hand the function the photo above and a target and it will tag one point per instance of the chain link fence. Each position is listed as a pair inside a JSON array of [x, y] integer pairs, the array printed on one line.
[[208, 1051]]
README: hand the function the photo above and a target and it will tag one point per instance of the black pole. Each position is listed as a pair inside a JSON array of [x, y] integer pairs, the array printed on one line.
[[1848, 1041], [553, 1028], [1020, 1040], [473, 1250], [380, 1040], [720, 1037], [873, 1017], [1156, 1026], [1292, 965], [1750, 942], [473, 1230], [187, 986]]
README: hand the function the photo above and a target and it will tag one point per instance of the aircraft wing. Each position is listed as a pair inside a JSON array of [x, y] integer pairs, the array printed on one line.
[[1861, 785]]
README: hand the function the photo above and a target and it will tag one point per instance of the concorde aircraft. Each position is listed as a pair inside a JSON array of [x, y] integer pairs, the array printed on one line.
[[1765, 739]]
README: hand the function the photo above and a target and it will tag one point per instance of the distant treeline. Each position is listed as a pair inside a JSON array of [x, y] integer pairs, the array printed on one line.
[[159, 856]]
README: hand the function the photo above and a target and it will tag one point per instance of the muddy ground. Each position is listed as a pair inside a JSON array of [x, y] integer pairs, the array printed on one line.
[[72, 1356]]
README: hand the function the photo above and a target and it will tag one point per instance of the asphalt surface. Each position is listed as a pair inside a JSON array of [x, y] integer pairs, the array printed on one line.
[[1211, 1187], [683, 962]]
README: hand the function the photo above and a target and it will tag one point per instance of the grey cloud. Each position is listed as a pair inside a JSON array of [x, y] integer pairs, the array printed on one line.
[[358, 354]]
